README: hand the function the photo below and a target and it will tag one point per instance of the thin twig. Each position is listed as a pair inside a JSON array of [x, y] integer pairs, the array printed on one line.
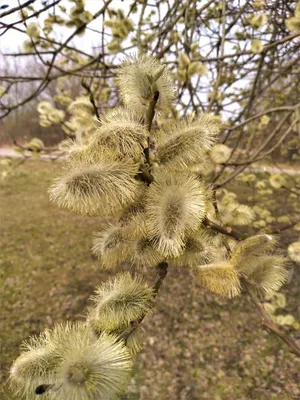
[[225, 230], [220, 69], [269, 324], [149, 119], [91, 96]]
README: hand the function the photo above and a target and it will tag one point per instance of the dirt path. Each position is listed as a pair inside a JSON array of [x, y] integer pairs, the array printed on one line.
[[11, 153]]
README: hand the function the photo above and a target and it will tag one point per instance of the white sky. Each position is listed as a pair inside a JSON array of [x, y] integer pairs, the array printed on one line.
[[12, 40]]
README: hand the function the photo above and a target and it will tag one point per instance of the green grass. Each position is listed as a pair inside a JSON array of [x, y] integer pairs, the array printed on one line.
[[198, 346]]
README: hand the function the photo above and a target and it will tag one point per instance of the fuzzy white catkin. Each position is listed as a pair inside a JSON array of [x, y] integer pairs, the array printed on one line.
[[119, 301], [75, 363], [175, 204], [136, 88]]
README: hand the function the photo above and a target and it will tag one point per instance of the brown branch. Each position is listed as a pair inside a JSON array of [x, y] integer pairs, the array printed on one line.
[[255, 156], [269, 324], [12, 10], [145, 176], [162, 269], [149, 119], [271, 110], [281, 227], [225, 230], [91, 97], [246, 52]]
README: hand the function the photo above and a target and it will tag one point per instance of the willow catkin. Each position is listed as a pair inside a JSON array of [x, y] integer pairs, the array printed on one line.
[[97, 189], [91, 367], [175, 204], [220, 278], [220, 153], [120, 300], [123, 140], [135, 78], [199, 249], [254, 245], [294, 251], [111, 245], [81, 106], [266, 273], [186, 141]]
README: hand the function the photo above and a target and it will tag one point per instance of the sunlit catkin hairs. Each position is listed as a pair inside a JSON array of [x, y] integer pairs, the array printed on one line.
[[33, 367], [122, 299], [175, 205], [98, 189], [139, 78], [264, 273], [136, 340], [220, 278], [252, 246], [71, 363], [121, 114], [199, 249], [92, 368], [185, 142], [141, 250], [81, 107], [121, 140], [111, 246], [144, 253]]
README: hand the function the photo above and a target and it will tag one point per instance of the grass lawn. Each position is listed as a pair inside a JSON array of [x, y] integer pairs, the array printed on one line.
[[198, 346]]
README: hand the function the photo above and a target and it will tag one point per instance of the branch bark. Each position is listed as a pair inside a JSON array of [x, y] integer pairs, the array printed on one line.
[[269, 324]]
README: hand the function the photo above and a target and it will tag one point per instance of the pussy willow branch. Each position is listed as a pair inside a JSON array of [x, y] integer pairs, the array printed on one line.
[[281, 227], [267, 321], [218, 215], [225, 230], [269, 324], [228, 231], [146, 175], [12, 10], [151, 110], [162, 269]]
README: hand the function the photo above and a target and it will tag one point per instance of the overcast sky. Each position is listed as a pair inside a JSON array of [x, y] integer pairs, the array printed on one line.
[[12, 40]]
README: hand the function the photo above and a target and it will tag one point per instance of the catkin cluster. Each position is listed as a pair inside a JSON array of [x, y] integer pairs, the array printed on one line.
[[140, 177], [87, 359]]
